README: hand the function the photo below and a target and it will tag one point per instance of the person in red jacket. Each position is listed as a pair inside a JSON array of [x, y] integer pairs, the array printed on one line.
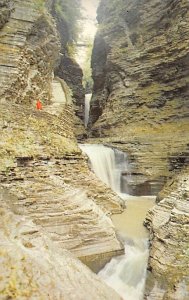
[[39, 105]]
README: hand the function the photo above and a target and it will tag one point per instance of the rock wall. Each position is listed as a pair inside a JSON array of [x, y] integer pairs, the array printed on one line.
[[68, 66], [40, 162], [140, 98], [71, 72], [140, 105], [169, 257], [5, 11], [65, 70], [34, 267], [29, 51]]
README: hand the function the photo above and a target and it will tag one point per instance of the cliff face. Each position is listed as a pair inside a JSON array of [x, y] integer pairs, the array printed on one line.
[[40, 162], [140, 105], [68, 69], [140, 71], [28, 54], [169, 257]]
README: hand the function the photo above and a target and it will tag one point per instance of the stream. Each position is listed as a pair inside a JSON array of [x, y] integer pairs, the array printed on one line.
[[126, 273]]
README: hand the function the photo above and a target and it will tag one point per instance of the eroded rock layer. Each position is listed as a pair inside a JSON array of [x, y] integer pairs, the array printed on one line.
[[28, 54], [168, 222], [68, 69], [40, 162], [140, 104], [140, 71], [34, 267], [5, 10]]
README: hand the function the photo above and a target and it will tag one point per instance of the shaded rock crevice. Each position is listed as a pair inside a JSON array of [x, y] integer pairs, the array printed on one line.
[[99, 77], [68, 69]]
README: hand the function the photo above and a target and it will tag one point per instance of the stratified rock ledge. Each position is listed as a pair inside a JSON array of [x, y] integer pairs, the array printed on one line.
[[168, 222]]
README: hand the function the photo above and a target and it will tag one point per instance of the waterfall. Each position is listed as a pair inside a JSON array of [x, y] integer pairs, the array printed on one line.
[[87, 108], [107, 164], [127, 273]]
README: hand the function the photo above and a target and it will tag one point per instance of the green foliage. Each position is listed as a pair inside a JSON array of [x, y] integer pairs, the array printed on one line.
[[69, 11]]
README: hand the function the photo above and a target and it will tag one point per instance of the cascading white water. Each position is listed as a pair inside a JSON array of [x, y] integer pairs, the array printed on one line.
[[107, 164], [126, 273]]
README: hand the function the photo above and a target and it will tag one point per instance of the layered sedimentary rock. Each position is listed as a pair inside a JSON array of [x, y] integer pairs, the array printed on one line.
[[29, 51], [5, 10], [68, 69], [71, 72], [140, 105], [168, 222], [140, 98], [40, 162], [34, 267]]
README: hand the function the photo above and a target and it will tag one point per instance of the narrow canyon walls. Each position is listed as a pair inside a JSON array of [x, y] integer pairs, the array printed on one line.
[[140, 70], [140, 105], [40, 162]]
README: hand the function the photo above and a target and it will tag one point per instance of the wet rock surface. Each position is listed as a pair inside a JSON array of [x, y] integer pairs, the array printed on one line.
[[168, 222]]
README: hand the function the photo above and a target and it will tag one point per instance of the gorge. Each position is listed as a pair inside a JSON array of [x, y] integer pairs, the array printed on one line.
[[126, 273], [62, 217]]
